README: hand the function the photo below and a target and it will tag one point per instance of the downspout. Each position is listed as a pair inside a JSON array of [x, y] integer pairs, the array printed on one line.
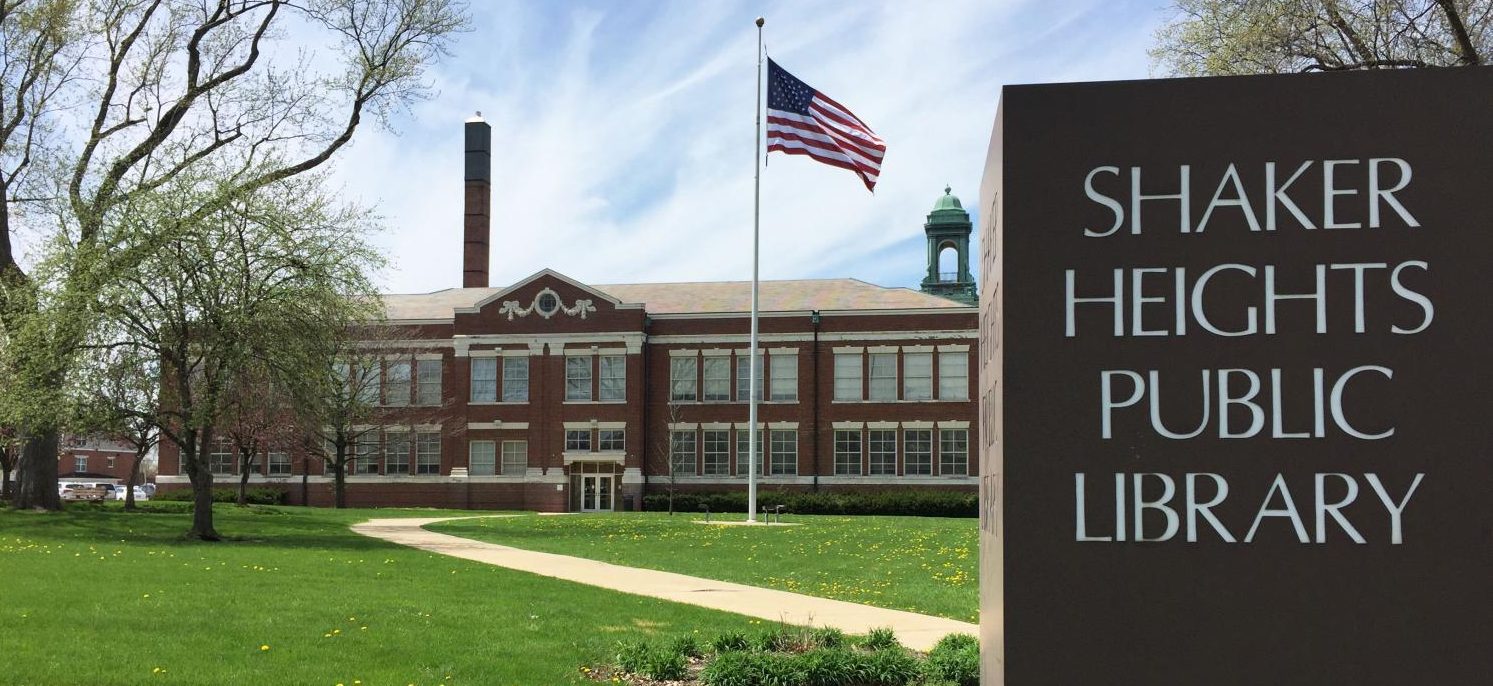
[[814, 356], [646, 387]]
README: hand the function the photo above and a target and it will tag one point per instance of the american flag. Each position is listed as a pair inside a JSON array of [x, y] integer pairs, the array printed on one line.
[[802, 121]]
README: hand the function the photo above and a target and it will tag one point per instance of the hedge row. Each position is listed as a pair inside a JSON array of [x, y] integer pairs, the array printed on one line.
[[897, 503], [256, 496]]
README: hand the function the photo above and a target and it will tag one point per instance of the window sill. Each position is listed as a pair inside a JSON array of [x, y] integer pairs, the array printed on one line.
[[479, 403], [889, 402], [595, 402]]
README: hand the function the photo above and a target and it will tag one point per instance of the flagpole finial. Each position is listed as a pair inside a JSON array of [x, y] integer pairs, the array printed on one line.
[[760, 22]]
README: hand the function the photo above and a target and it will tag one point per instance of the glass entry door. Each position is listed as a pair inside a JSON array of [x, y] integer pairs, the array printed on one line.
[[596, 493]]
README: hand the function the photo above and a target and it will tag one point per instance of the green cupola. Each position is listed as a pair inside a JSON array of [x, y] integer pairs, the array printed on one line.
[[948, 228]]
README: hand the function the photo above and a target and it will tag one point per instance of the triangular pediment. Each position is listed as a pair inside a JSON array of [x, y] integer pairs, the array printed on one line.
[[519, 293]]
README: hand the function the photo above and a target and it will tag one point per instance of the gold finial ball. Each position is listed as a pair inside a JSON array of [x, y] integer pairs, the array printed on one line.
[[760, 22]]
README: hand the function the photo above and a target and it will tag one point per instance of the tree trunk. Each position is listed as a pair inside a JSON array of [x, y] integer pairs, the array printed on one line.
[[129, 493], [202, 489], [305, 483], [38, 488], [5, 482], [339, 485], [243, 484]]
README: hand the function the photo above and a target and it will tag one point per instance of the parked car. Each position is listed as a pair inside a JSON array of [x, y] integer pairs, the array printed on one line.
[[141, 492], [84, 491]]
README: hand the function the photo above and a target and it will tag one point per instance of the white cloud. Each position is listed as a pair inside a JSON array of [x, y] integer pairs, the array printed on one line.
[[622, 142]]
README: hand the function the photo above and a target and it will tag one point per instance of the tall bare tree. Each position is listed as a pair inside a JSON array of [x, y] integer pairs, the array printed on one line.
[[106, 101], [1219, 37]]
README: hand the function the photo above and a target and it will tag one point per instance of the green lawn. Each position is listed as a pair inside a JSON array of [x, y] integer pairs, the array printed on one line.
[[96, 596], [921, 564]]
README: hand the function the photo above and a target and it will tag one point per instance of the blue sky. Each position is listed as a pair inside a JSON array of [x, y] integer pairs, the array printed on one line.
[[622, 132]]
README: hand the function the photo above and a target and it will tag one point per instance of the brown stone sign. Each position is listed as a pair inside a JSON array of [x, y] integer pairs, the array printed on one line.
[[1237, 390]]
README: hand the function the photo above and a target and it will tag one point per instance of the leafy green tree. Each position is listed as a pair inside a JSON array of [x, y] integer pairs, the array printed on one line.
[[1222, 37], [253, 286], [120, 389], [104, 103]]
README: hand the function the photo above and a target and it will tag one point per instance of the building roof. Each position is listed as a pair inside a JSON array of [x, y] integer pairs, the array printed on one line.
[[700, 297]]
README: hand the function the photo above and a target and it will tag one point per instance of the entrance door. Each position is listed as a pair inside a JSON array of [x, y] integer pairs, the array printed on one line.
[[596, 493]]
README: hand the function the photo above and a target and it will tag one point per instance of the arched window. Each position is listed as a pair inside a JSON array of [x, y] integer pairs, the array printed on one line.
[[948, 262]]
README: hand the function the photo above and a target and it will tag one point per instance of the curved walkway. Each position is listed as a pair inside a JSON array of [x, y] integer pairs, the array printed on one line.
[[915, 631]]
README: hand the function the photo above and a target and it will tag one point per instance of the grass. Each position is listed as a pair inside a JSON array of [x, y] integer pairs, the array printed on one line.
[[97, 596], [920, 564]]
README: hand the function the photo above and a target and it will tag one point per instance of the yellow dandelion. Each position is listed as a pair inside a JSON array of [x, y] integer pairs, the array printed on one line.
[[264, 647]]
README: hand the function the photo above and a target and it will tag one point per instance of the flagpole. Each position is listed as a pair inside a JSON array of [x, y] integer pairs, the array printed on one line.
[[754, 372]]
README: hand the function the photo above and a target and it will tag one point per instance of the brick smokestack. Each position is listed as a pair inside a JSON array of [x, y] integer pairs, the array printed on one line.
[[477, 224]]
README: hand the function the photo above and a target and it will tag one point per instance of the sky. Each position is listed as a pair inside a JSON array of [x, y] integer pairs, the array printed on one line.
[[622, 133]]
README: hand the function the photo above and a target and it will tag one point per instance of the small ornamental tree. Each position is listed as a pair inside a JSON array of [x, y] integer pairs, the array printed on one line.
[[256, 418], [121, 389]]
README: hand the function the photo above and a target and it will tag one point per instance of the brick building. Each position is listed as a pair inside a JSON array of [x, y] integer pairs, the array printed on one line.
[[94, 458], [553, 394]]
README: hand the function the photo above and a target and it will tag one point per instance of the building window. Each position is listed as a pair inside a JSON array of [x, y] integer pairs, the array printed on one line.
[[396, 452], [397, 382], [784, 451], [953, 452], [427, 453], [785, 378], [485, 380], [953, 376], [884, 376], [482, 458], [881, 452], [428, 379], [717, 380], [515, 379], [578, 441], [109, 462], [515, 458], [717, 453], [848, 452], [917, 376], [741, 451], [917, 452], [743, 373], [613, 377], [577, 378], [364, 378], [219, 461], [365, 453], [683, 379], [279, 463], [611, 440], [80, 464], [848, 376], [682, 452]]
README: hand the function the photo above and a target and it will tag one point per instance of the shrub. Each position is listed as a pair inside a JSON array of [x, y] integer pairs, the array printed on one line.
[[686, 645], [773, 640], [954, 660], [880, 639], [641, 657], [255, 496], [892, 503], [632, 655], [729, 641], [891, 667], [827, 637], [754, 669], [833, 668]]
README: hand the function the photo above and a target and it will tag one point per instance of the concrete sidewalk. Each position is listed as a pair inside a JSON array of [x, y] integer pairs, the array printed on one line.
[[915, 631]]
